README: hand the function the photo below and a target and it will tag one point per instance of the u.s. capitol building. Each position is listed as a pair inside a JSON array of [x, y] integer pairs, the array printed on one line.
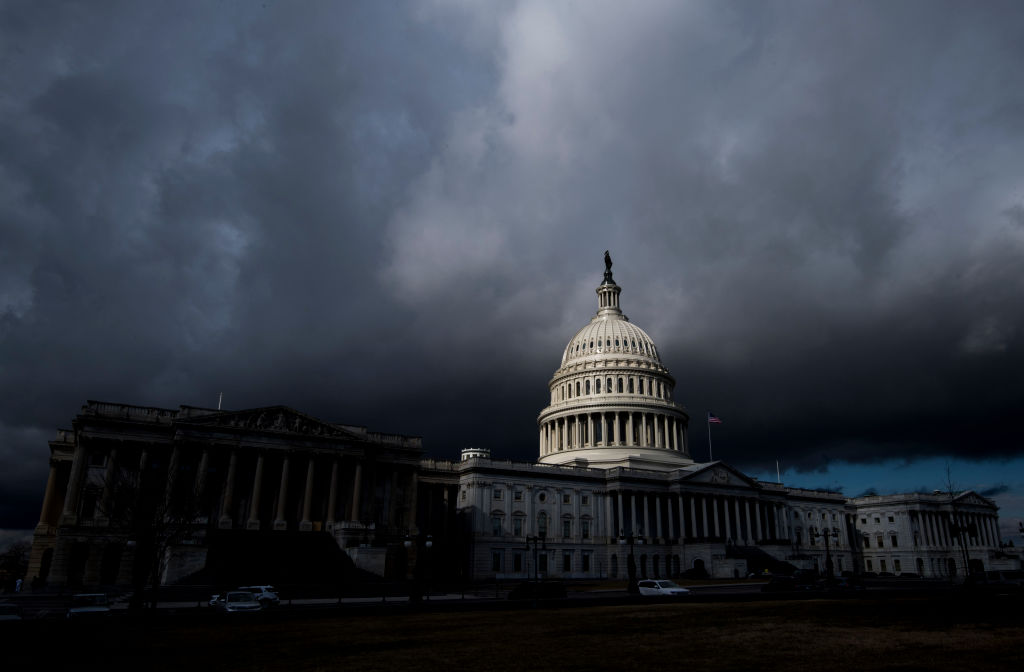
[[614, 477]]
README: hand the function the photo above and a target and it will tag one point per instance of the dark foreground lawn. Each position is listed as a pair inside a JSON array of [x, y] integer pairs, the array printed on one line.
[[862, 634]]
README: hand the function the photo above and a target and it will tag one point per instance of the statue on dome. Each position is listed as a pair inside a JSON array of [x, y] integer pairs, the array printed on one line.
[[607, 262]]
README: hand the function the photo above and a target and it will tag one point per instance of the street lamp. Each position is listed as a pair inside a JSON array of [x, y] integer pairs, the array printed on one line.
[[813, 533], [420, 542], [631, 559], [538, 543]]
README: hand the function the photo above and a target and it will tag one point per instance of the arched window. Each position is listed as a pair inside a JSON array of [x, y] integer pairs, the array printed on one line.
[[610, 388], [577, 388], [608, 342], [620, 385], [597, 386], [616, 342], [587, 386], [631, 386], [591, 342]]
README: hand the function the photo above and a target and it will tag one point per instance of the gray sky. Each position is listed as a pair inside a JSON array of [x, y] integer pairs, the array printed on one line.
[[393, 215]]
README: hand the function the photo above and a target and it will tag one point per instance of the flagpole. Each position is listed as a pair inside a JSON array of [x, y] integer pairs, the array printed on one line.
[[707, 419]]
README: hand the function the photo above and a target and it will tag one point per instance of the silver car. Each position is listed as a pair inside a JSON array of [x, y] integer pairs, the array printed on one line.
[[236, 601], [661, 587]]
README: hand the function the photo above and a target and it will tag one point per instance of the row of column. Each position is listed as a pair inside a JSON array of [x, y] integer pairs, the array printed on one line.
[[227, 494], [936, 528], [700, 516], [613, 428]]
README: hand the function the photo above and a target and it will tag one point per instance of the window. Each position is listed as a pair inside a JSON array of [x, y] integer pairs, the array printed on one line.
[[877, 520], [879, 541], [620, 385], [610, 388], [496, 561], [463, 496], [542, 562], [587, 386], [585, 500], [517, 562], [896, 565], [97, 459], [631, 386], [566, 499], [585, 529], [517, 527], [518, 495], [566, 529], [863, 521], [891, 519], [597, 386], [881, 565], [497, 493], [567, 561], [542, 496], [871, 567], [542, 524], [585, 562], [894, 541], [867, 542], [616, 342], [496, 526], [614, 566], [577, 388], [833, 516]]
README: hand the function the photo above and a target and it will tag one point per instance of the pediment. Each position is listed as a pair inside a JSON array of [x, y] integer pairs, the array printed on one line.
[[720, 473], [972, 498], [273, 419]]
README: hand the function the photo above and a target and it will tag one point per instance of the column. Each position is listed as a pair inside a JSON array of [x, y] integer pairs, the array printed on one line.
[[604, 429], [69, 515], [750, 527], [280, 523], [414, 485], [615, 427], [671, 518], [629, 429], [226, 517], [332, 496], [355, 513], [621, 520], [254, 506], [647, 515], [704, 511], [590, 429], [44, 513], [693, 517], [632, 513], [643, 430], [728, 520], [306, 525], [540, 442], [739, 521], [172, 475], [714, 509], [757, 517]]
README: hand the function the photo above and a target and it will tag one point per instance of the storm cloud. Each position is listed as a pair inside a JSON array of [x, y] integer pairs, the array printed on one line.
[[393, 215]]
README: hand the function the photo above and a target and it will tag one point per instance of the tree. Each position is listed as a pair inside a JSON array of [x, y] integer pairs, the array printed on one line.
[[957, 526], [155, 509]]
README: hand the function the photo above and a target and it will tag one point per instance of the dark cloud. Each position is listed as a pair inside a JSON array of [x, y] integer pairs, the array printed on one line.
[[393, 215], [995, 491]]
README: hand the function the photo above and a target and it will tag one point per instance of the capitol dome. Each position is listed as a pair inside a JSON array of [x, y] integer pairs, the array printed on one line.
[[612, 398]]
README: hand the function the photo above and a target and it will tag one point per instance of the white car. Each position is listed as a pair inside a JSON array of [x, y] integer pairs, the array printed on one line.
[[661, 587], [266, 595], [88, 606], [236, 601]]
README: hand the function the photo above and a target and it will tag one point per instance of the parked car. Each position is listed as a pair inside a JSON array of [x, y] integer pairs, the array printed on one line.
[[9, 611], [266, 595], [236, 601], [88, 606], [661, 587]]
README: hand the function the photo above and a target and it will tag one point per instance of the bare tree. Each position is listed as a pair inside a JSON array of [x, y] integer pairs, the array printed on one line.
[[959, 529], [155, 509]]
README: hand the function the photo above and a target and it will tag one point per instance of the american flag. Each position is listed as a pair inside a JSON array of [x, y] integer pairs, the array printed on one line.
[[714, 419]]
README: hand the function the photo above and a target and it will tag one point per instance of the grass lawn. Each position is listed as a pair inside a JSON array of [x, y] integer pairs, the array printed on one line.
[[832, 635]]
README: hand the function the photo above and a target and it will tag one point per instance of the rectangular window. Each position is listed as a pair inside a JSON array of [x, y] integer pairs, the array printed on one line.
[[585, 562], [863, 521], [585, 529], [881, 565], [895, 541], [867, 542], [896, 565], [871, 567], [496, 526], [542, 562], [567, 561], [878, 520], [566, 529], [566, 499], [586, 500], [517, 562], [891, 519], [517, 527], [496, 561], [497, 493], [880, 541], [518, 495]]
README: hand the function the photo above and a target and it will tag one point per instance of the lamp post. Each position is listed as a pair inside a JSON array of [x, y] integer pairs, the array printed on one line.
[[813, 533], [539, 542], [631, 558], [422, 544]]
